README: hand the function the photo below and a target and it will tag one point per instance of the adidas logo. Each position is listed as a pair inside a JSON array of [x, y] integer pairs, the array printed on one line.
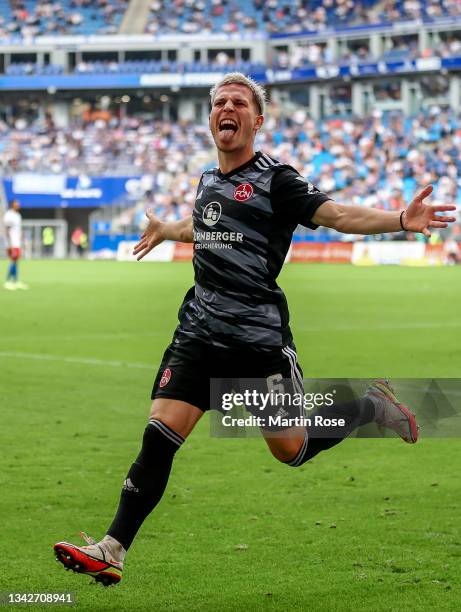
[[281, 412], [129, 486]]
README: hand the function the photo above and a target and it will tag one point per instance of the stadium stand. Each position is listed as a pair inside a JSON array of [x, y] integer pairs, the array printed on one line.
[[27, 18], [362, 113], [301, 56], [157, 67], [28, 68], [309, 56], [275, 16], [376, 161], [418, 9], [272, 16]]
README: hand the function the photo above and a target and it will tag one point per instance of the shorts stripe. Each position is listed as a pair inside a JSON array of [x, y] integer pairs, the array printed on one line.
[[295, 374], [167, 432], [297, 369]]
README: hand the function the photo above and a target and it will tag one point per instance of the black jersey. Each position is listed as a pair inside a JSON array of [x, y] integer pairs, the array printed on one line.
[[243, 224]]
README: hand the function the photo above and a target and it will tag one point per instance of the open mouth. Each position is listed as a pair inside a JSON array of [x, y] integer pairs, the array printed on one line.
[[227, 127]]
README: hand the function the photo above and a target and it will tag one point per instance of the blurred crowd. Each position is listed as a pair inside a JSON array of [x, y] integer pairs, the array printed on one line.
[[221, 63], [46, 17], [170, 156], [303, 55], [452, 46], [377, 161], [402, 48], [275, 16], [113, 147], [395, 10]]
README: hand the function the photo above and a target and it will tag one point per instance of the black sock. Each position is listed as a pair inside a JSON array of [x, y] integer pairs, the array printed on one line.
[[356, 413], [146, 481]]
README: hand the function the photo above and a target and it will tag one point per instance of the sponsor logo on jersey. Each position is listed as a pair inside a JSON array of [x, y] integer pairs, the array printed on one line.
[[166, 376], [243, 192], [218, 236], [211, 213]]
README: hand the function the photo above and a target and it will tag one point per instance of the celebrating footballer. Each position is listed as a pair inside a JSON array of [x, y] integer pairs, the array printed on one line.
[[234, 321]]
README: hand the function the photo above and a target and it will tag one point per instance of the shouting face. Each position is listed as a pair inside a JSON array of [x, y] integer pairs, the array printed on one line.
[[234, 118]]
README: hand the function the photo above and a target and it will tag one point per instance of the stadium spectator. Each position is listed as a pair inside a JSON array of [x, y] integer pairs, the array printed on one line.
[[448, 48]]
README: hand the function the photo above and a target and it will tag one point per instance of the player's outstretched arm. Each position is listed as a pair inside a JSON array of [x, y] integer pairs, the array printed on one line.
[[157, 231], [418, 217]]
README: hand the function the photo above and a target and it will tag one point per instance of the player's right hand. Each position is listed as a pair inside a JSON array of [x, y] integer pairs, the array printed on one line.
[[152, 236]]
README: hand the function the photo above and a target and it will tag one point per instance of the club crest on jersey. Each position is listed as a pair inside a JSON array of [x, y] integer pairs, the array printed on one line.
[[211, 213], [243, 192], [166, 376]]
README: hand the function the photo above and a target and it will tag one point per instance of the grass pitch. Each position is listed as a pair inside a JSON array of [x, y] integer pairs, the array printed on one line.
[[369, 525]]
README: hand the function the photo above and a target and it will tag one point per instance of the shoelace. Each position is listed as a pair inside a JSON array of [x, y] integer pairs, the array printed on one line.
[[88, 539]]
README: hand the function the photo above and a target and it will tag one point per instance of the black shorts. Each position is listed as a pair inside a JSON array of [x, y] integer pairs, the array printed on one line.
[[188, 366]]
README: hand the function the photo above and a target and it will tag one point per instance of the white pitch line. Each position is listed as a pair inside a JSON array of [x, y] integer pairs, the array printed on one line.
[[386, 327], [78, 360], [296, 328], [95, 336]]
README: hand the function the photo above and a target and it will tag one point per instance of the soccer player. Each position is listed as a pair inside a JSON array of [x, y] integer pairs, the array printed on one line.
[[13, 221], [234, 322]]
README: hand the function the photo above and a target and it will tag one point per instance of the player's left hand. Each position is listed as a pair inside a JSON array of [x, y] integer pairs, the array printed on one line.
[[419, 216]]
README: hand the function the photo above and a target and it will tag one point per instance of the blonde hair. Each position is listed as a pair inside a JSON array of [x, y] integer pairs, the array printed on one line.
[[259, 93]]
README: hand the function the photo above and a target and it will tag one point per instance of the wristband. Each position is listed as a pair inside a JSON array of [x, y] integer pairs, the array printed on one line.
[[401, 224]]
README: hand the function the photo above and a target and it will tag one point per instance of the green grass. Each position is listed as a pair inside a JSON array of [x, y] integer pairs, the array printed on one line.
[[370, 525]]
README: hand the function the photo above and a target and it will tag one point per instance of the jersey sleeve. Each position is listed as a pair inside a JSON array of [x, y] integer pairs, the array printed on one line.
[[296, 198]]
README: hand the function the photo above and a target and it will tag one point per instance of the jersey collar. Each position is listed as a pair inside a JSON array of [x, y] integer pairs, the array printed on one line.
[[244, 166]]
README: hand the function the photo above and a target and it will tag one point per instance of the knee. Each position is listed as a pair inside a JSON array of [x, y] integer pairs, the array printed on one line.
[[157, 412], [286, 450], [179, 416]]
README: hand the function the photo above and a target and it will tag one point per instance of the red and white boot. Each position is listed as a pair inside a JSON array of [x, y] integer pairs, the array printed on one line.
[[389, 412], [103, 560]]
